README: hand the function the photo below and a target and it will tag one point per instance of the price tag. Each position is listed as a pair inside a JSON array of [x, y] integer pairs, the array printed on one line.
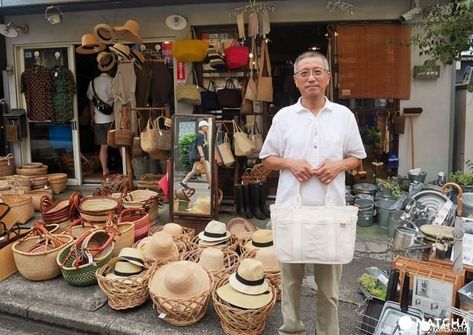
[[162, 315]]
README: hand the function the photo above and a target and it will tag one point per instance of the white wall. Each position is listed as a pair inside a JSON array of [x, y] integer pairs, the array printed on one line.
[[434, 96]]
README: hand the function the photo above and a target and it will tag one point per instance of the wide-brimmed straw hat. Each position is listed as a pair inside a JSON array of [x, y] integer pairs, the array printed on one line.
[[130, 31], [179, 280], [201, 205], [161, 246], [268, 258], [133, 255], [104, 33], [241, 227], [262, 238], [90, 45], [247, 288], [122, 51], [214, 231], [123, 268], [106, 61], [138, 57], [174, 229], [212, 259]]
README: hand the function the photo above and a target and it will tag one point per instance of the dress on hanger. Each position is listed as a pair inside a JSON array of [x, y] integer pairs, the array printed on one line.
[[143, 85], [64, 88], [123, 88], [37, 85]]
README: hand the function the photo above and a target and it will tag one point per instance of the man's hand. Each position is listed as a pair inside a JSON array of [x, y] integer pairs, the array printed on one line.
[[301, 169], [202, 158], [328, 171]]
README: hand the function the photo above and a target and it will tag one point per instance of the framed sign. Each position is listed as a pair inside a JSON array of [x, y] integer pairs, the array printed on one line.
[[431, 296]]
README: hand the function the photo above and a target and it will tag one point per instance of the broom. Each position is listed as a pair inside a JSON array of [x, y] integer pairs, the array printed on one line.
[[411, 113]]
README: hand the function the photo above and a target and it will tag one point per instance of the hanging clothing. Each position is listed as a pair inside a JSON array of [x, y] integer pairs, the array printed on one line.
[[143, 85], [123, 88], [37, 85], [64, 88], [161, 84]]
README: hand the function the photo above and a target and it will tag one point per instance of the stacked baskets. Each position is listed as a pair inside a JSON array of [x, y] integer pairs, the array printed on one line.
[[58, 182], [32, 169], [96, 209]]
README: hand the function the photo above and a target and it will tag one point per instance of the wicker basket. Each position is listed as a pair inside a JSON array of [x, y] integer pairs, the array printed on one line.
[[111, 138], [36, 196], [124, 137], [58, 182], [231, 260], [258, 173], [116, 183], [126, 292], [186, 237], [140, 220], [237, 321], [18, 181], [38, 266], [7, 165], [21, 208], [125, 238], [149, 181], [36, 171], [136, 150], [233, 244], [39, 182]]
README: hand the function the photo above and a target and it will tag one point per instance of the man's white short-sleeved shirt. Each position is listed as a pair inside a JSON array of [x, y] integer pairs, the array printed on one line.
[[296, 133], [103, 87]]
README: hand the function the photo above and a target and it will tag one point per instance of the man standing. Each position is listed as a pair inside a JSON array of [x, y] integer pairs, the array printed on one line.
[[101, 88], [312, 143]]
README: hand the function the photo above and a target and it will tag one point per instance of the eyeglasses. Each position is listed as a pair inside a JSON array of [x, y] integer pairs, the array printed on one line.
[[315, 72]]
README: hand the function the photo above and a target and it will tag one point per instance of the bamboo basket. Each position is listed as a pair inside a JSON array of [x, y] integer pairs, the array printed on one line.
[[116, 183], [186, 237], [21, 208], [124, 137], [126, 237], [231, 245], [7, 165], [231, 260], [18, 181], [38, 266], [36, 196], [39, 182], [126, 292], [259, 173]]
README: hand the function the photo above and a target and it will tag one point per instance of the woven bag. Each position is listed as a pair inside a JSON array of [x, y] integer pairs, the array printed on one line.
[[265, 81], [7, 165], [148, 137], [190, 50], [123, 135], [163, 140]]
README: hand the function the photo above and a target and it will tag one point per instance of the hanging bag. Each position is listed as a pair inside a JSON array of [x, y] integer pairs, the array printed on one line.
[[257, 139], [189, 93], [225, 149], [123, 135], [163, 136], [190, 50], [209, 97], [136, 149], [229, 97], [314, 234], [236, 56], [243, 145], [249, 88], [148, 137], [265, 81]]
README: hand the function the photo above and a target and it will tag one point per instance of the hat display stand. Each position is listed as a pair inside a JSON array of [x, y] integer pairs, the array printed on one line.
[[186, 236], [231, 244], [237, 321], [125, 292], [230, 262]]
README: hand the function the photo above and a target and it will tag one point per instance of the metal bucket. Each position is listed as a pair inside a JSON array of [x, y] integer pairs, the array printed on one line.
[[383, 211], [419, 177], [405, 237], [365, 188], [394, 221], [467, 204]]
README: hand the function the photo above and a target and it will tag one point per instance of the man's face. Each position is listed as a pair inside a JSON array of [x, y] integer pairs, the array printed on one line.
[[312, 78]]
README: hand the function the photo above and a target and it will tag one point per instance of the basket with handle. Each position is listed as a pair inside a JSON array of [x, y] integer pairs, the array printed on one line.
[[7, 165], [140, 220], [21, 208], [123, 134], [111, 136]]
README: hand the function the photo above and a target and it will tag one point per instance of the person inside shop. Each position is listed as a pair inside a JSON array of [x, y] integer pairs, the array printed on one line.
[[199, 154], [101, 100], [312, 143]]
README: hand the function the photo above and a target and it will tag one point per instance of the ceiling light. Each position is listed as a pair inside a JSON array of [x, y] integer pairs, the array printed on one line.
[[11, 30], [53, 14]]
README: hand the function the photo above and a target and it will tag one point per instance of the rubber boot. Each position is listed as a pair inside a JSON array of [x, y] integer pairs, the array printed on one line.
[[262, 199], [239, 203], [255, 196], [246, 202]]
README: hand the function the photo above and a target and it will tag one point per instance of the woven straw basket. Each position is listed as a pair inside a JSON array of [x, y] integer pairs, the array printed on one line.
[[37, 266], [233, 244], [36, 196], [231, 260], [237, 321], [127, 292], [125, 237], [7, 165], [21, 209], [186, 237]]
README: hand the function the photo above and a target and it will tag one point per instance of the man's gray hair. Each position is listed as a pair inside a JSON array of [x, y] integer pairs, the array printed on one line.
[[311, 54]]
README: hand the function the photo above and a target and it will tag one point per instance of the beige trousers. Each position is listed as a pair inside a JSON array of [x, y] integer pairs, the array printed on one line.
[[327, 277]]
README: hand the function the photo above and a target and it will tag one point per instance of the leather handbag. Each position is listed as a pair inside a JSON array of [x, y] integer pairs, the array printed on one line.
[[265, 81], [190, 50], [189, 93], [243, 145], [209, 97], [236, 56], [163, 136], [225, 150], [229, 97], [314, 234]]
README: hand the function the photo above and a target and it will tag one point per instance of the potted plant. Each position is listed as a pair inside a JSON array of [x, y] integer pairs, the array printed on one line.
[[391, 189], [184, 143], [464, 178]]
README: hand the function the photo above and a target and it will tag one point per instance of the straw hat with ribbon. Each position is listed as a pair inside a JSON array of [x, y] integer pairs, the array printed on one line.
[[174, 229], [138, 57], [104, 33], [212, 259], [106, 61], [215, 231], [122, 51], [90, 45], [179, 280], [262, 238], [130, 31], [247, 288], [161, 246], [133, 256]]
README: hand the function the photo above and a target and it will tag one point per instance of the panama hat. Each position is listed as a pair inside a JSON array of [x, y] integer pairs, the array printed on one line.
[[211, 259], [214, 231], [247, 287], [217, 244], [90, 45], [174, 229], [161, 246], [268, 258], [130, 31], [104, 33], [241, 227], [138, 57], [106, 61], [133, 255], [122, 51], [123, 268], [201, 205], [262, 238], [203, 123], [179, 280]]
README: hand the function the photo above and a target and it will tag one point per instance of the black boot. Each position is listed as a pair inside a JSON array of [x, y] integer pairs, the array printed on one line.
[[246, 202], [255, 201], [262, 199], [239, 203]]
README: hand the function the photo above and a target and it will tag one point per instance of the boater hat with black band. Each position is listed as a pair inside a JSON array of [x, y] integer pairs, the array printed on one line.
[[214, 231]]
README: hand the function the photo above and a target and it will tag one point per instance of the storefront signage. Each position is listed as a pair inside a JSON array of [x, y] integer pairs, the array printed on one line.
[[181, 72]]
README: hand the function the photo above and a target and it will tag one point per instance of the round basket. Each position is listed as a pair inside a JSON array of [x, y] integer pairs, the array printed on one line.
[[186, 237], [149, 181], [126, 292], [58, 182], [34, 171], [96, 209], [183, 312], [124, 137], [78, 227], [139, 198], [232, 244], [125, 237], [32, 165], [37, 266], [36, 196], [231, 260], [21, 208], [39, 182], [7, 165], [18, 181], [237, 321], [140, 220], [83, 275]]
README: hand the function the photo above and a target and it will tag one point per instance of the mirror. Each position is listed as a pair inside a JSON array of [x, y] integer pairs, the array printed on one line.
[[192, 166]]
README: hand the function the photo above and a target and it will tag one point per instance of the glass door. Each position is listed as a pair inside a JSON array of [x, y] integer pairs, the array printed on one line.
[[46, 80]]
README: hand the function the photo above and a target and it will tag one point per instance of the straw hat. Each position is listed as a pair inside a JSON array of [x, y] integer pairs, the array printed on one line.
[[132, 255], [218, 244], [161, 246], [247, 288], [90, 45], [179, 280], [106, 61], [104, 33], [122, 51], [262, 238], [214, 231], [138, 57], [241, 227], [201, 205], [174, 229], [130, 31], [211, 259], [124, 269], [268, 258]]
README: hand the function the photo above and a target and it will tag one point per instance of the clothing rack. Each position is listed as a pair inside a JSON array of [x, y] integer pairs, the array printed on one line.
[[162, 111], [253, 7]]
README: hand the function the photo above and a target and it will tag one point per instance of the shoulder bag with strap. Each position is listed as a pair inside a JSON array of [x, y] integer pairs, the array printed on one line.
[[101, 106]]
